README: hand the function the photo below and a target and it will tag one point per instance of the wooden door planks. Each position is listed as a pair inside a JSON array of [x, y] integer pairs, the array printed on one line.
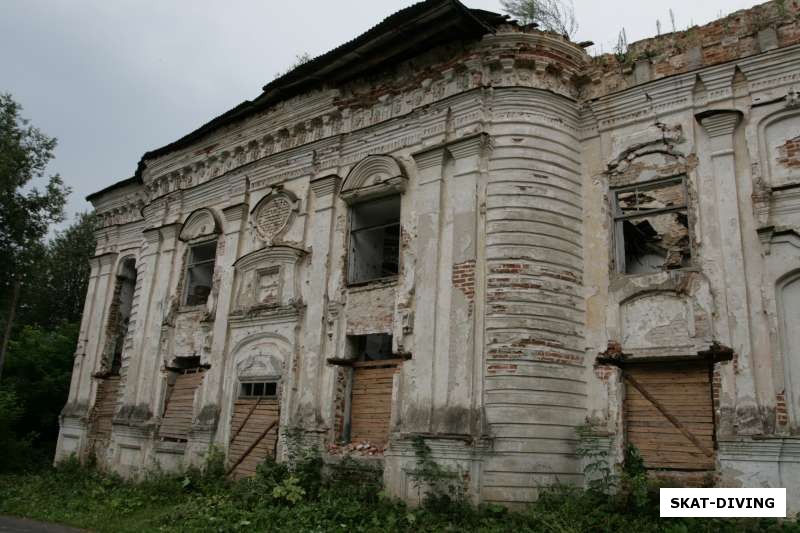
[[669, 415], [105, 406], [371, 401], [254, 434], [179, 406]]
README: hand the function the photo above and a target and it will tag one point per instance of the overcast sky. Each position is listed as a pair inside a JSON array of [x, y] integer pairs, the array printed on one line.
[[112, 79]]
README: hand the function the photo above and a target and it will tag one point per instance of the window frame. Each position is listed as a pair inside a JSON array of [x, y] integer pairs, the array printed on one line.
[[191, 264], [251, 383], [618, 218], [350, 232]]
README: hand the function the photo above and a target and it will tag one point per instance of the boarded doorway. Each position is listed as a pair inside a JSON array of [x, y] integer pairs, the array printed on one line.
[[371, 401], [105, 404], [254, 427], [669, 415], [179, 406]]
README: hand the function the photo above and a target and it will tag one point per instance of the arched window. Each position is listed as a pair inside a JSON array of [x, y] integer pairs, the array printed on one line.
[[199, 272], [200, 233], [373, 189], [121, 311]]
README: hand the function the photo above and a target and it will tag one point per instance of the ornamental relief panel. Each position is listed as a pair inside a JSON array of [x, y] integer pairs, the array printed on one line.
[[267, 280], [271, 217]]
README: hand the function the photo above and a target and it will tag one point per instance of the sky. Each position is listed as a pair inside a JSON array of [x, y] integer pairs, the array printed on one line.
[[112, 79]]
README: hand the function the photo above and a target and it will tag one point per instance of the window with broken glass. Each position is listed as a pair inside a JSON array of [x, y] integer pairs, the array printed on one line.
[[651, 226], [374, 248], [200, 273]]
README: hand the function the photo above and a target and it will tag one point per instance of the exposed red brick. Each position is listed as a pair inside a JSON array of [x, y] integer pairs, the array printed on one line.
[[604, 372], [464, 278], [789, 153], [781, 414], [716, 385], [493, 369]]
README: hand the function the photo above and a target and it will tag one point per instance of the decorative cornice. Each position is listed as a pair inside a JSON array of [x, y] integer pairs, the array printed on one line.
[[325, 185], [235, 212], [375, 175], [104, 260], [200, 223], [719, 122], [468, 146], [429, 157], [277, 254]]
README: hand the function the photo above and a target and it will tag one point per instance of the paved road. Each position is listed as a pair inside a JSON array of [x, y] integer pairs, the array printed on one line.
[[23, 525]]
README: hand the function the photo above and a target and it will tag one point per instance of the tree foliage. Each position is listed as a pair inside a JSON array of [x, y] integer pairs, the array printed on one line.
[[37, 373], [550, 15], [43, 284], [57, 289], [26, 211]]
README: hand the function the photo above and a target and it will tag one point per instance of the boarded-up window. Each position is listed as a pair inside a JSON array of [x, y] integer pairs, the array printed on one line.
[[179, 406], [371, 400], [254, 427], [105, 405], [669, 415]]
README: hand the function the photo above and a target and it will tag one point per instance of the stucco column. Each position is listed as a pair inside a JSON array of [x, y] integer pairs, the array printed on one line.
[[83, 335], [314, 370], [214, 380], [158, 275], [419, 372], [96, 330], [145, 266], [734, 308], [457, 363]]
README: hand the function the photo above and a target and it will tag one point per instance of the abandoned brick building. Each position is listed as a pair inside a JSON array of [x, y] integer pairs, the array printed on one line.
[[461, 228]]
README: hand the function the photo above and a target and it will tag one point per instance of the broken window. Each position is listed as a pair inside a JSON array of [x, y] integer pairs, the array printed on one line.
[[261, 389], [652, 226], [371, 390], [200, 272], [374, 250]]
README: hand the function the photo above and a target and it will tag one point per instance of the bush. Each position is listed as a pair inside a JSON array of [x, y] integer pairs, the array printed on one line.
[[13, 449], [276, 499]]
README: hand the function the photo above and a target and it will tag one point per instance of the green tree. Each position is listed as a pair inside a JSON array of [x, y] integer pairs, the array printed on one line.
[[38, 372], [57, 289], [26, 211]]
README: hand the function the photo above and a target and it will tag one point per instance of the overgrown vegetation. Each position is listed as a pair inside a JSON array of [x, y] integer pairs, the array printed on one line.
[[42, 286], [299, 497]]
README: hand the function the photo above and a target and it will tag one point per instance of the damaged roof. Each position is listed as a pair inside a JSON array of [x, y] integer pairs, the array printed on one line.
[[404, 34]]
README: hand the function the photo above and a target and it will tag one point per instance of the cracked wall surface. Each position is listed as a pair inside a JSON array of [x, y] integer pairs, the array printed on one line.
[[513, 318]]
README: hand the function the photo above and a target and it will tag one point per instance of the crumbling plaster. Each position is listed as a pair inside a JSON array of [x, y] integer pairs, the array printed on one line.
[[508, 309]]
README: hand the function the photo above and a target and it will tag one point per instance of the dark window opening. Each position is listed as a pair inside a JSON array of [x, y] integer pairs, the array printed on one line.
[[121, 312], [652, 227], [374, 250], [262, 389], [372, 347], [200, 273]]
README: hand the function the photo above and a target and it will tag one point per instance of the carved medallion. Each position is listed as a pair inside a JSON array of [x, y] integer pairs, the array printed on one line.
[[273, 216]]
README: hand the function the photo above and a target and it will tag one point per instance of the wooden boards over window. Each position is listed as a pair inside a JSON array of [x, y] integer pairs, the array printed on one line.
[[371, 400], [669, 414], [105, 404], [179, 406], [254, 434]]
